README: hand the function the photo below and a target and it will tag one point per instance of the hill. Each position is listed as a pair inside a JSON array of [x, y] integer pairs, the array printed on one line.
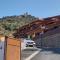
[[9, 24]]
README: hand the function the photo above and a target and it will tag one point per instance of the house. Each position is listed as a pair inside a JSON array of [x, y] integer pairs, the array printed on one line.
[[34, 28]]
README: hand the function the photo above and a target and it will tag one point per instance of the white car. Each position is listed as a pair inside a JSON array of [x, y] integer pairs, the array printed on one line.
[[29, 43]]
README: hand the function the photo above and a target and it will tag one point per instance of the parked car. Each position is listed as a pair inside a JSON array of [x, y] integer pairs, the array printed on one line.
[[29, 43]]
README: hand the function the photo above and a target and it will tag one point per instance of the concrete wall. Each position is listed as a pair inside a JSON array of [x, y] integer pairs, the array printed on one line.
[[49, 39]]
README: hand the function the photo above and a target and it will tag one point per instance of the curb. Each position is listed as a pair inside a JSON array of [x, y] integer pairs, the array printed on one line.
[[34, 54]]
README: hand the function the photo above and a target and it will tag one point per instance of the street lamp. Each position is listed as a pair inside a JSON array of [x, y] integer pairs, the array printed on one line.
[[41, 38], [41, 34]]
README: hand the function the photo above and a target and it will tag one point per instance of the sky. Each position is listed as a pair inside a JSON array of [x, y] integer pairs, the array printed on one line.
[[37, 8]]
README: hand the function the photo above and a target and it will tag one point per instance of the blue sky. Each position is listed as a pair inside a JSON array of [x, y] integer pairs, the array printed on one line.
[[38, 8]]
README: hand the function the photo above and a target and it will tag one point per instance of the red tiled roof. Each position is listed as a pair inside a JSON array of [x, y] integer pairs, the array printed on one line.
[[35, 26]]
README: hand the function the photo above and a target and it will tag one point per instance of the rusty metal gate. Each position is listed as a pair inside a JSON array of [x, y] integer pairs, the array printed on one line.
[[13, 49]]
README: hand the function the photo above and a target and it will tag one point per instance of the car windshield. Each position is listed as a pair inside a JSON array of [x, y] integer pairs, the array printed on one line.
[[30, 42]]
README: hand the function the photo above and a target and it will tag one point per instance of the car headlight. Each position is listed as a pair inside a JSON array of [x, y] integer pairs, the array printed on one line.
[[33, 43]]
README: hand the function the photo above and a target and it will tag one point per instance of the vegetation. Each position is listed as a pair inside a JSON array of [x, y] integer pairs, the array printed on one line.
[[9, 24]]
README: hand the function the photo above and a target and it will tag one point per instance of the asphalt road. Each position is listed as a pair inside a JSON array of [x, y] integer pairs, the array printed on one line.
[[27, 52], [48, 54]]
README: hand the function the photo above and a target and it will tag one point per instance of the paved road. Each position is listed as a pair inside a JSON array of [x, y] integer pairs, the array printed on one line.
[[27, 52], [48, 54]]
